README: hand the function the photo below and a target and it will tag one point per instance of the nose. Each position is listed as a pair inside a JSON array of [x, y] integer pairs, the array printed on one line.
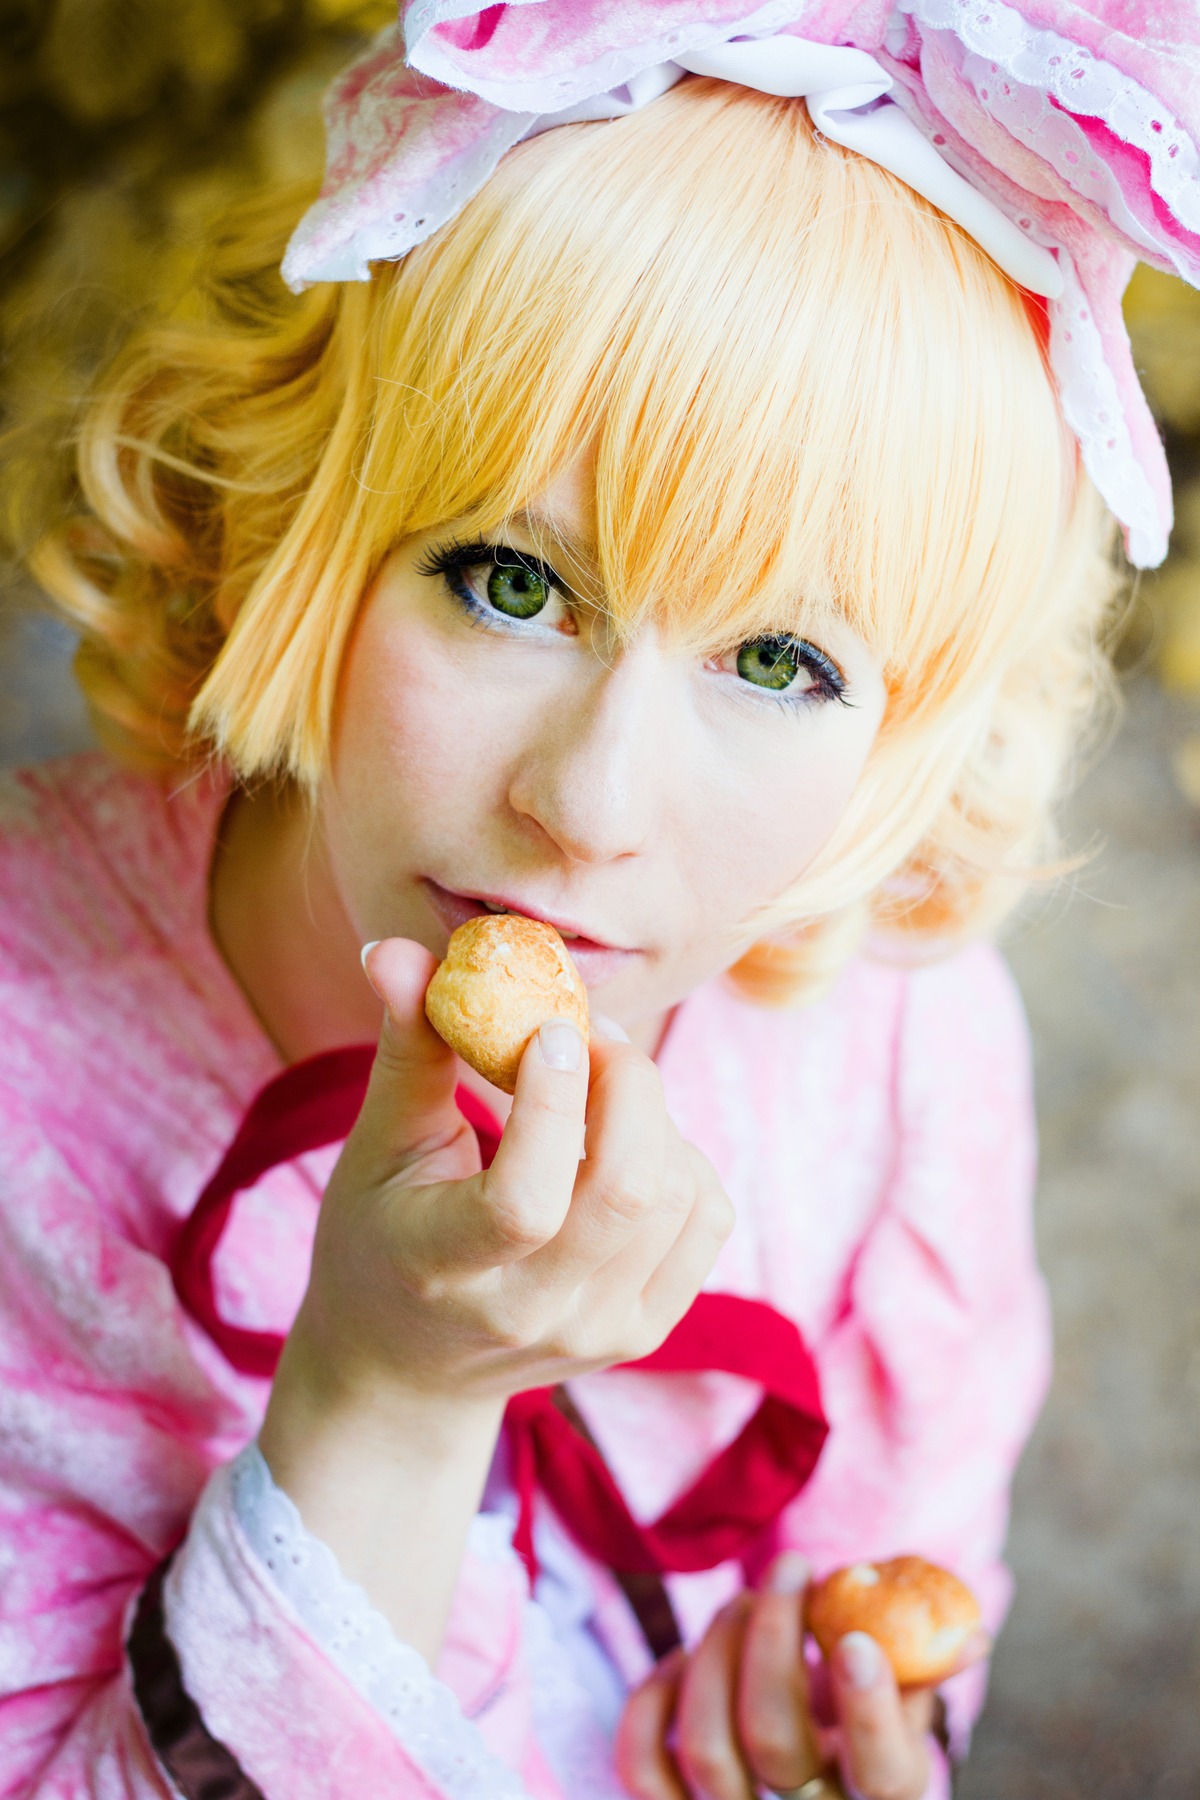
[[592, 779]]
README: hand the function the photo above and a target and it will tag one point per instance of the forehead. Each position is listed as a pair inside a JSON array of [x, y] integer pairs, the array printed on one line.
[[567, 504], [562, 522], [562, 517]]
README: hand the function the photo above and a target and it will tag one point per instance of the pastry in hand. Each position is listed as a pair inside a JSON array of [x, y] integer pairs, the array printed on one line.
[[503, 976], [920, 1615]]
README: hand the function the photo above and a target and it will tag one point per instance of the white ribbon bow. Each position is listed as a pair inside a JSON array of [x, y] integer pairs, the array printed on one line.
[[847, 95]]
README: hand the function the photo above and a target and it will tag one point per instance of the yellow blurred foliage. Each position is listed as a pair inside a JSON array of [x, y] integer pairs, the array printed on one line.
[[1175, 596], [132, 126], [1163, 314], [354, 15], [107, 59], [1186, 767]]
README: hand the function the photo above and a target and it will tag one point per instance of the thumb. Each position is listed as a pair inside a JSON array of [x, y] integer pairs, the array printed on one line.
[[409, 1112]]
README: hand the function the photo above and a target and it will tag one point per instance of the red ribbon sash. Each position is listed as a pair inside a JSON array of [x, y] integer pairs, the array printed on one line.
[[733, 1500]]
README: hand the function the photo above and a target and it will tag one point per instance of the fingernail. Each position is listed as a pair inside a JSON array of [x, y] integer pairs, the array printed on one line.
[[561, 1044], [789, 1573], [860, 1658], [366, 950], [608, 1028]]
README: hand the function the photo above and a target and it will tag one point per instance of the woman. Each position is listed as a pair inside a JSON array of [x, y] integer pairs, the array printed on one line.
[[684, 544]]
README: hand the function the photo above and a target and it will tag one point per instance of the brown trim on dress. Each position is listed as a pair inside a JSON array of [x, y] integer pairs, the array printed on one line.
[[646, 1591], [199, 1765]]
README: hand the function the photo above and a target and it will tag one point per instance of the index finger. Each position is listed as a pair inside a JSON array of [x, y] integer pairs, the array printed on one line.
[[883, 1754], [532, 1177], [773, 1712], [621, 1182], [409, 1116], [642, 1746]]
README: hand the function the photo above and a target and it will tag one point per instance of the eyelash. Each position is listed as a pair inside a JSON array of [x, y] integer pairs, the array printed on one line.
[[828, 681], [449, 561]]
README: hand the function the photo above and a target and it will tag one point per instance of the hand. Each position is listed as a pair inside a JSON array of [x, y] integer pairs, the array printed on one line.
[[438, 1290], [439, 1279], [734, 1715]]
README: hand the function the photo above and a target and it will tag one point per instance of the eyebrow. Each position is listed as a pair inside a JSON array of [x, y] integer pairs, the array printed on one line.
[[568, 548]]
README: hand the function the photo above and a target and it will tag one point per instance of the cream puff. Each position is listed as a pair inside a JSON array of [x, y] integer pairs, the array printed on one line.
[[502, 977]]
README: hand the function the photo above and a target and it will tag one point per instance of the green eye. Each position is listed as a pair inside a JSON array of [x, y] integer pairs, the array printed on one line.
[[769, 662], [516, 590]]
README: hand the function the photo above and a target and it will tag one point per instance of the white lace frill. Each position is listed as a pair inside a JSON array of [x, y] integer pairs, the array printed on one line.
[[1017, 73], [389, 1674], [1044, 63]]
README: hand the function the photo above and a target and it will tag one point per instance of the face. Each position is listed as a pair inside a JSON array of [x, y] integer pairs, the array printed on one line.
[[495, 749]]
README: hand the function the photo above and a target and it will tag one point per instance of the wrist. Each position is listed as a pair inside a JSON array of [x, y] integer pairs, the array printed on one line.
[[323, 1405], [389, 1479]]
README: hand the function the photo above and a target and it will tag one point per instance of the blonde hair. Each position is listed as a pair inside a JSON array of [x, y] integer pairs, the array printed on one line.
[[784, 361]]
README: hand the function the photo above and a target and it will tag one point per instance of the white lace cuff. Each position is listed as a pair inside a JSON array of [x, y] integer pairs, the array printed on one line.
[[390, 1675]]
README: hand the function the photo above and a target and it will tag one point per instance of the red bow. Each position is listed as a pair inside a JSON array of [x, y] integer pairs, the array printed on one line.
[[733, 1500]]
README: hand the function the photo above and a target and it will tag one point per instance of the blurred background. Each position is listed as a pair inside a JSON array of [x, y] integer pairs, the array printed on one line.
[[126, 126]]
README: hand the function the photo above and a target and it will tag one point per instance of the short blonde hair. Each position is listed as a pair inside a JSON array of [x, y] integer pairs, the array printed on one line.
[[783, 360]]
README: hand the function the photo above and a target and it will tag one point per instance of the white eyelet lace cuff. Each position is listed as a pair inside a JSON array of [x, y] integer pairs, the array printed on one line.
[[390, 1675]]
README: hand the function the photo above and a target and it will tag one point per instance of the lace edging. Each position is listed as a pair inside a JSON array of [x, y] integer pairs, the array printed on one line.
[[393, 1677], [339, 237], [612, 69], [1082, 83], [995, 43]]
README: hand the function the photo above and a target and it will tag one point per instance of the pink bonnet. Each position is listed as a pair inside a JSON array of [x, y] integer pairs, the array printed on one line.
[[1064, 135]]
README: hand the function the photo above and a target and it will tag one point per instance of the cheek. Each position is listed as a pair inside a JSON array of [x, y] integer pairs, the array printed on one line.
[[408, 744], [772, 823]]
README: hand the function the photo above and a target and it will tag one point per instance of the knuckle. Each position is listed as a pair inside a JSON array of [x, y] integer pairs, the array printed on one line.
[[702, 1170], [706, 1763], [631, 1199], [678, 1194], [523, 1231], [719, 1212], [647, 1082], [391, 1054], [639, 1336], [632, 1084], [771, 1744], [710, 1196], [650, 1334], [638, 1074], [517, 1219], [890, 1788], [562, 1347], [877, 1778], [428, 1287], [609, 1351], [551, 1101], [773, 1630], [511, 1331], [637, 1780]]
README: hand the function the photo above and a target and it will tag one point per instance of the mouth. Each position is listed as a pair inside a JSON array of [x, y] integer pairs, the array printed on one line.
[[596, 960]]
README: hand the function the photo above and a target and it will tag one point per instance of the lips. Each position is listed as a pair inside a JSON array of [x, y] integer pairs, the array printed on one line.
[[596, 960]]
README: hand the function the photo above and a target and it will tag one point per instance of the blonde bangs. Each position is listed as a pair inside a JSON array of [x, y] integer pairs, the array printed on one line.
[[805, 393], [772, 441]]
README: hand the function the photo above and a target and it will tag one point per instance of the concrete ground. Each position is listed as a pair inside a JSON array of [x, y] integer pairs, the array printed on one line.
[[1096, 1688]]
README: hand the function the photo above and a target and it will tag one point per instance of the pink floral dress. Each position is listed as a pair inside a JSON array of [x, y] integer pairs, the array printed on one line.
[[878, 1147]]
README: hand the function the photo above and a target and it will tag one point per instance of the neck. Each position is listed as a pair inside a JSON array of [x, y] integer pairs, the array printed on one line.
[[279, 923]]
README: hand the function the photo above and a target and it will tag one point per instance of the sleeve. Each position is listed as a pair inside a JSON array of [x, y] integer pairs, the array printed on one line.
[[937, 1363], [109, 1430]]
